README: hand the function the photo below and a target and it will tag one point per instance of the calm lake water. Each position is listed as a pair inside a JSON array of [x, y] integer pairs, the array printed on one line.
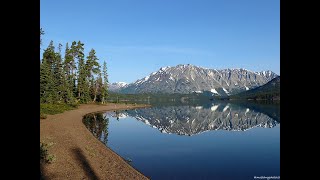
[[211, 141]]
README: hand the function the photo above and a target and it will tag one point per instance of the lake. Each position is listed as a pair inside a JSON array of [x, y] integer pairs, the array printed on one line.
[[217, 140]]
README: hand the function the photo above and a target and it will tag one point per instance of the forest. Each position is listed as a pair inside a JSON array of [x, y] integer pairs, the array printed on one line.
[[70, 78]]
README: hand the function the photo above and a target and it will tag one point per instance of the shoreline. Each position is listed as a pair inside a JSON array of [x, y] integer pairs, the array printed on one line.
[[79, 155]]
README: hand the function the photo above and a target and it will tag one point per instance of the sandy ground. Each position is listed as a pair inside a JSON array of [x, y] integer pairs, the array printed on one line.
[[79, 155]]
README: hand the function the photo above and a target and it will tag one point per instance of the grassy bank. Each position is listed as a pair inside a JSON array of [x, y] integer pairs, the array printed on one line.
[[55, 109]]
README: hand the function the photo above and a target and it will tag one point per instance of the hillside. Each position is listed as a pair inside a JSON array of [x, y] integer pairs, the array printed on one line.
[[269, 91]]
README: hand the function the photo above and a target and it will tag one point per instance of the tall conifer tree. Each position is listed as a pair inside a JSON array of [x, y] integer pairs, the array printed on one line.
[[105, 83], [92, 69]]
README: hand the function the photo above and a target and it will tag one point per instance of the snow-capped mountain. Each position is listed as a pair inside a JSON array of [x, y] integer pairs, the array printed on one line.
[[189, 78], [115, 87]]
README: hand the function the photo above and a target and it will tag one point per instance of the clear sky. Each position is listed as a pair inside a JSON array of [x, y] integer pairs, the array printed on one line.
[[137, 37]]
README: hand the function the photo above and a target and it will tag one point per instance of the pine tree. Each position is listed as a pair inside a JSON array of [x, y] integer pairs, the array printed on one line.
[[92, 69], [58, 76], [41, 33], [67, 66], [45, 83], [99, 88], [49, 54], [67, 94], [82, 89], [46, 76], [92, 88], [72, 54], [104, 89]]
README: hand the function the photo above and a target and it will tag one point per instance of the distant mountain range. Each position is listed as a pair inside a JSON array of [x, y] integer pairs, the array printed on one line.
[[269, 91], [188, 78], [115, 87]]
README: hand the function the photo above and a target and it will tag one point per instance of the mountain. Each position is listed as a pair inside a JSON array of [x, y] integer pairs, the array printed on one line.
[[190, 120], [115, 87], [270, 91], [189, 78]]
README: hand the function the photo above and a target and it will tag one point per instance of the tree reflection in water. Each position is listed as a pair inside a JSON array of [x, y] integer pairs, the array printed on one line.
[[98, 125]]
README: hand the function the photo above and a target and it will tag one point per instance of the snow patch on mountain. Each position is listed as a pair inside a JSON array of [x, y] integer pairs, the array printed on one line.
[[225, 108], [214, 108], [247, 110], [214, 91], [225, 90], [197, 91]]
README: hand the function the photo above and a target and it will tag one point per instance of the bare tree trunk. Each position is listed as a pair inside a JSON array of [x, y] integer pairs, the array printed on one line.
[[95, 97], [95, 94]]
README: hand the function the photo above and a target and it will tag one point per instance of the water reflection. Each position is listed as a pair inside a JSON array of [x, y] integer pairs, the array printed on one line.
[[229, 144], [117, 114], [191, 120], [97, 124]]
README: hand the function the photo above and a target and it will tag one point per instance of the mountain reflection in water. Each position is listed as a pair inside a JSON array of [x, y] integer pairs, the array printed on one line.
[[164, 142], [191, 120]]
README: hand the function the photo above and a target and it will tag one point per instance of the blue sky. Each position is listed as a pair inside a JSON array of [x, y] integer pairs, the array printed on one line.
[[137, 37]]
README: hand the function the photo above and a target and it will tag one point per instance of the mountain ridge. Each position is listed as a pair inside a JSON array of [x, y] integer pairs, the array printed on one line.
[[268, 91], [195, 79], [116, 86]]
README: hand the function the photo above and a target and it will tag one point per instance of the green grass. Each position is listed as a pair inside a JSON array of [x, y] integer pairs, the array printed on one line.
[[55, 109]]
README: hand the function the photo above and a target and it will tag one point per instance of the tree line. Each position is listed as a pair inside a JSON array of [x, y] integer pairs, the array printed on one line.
[[71, 77]]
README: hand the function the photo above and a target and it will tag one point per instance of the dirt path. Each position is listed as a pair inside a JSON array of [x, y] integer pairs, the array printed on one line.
[[79, 155]]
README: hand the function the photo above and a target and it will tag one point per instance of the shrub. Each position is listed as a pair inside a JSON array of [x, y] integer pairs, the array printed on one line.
[[56, 108], [44, 155], [73, 105], [43, 116], [51, 158]]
